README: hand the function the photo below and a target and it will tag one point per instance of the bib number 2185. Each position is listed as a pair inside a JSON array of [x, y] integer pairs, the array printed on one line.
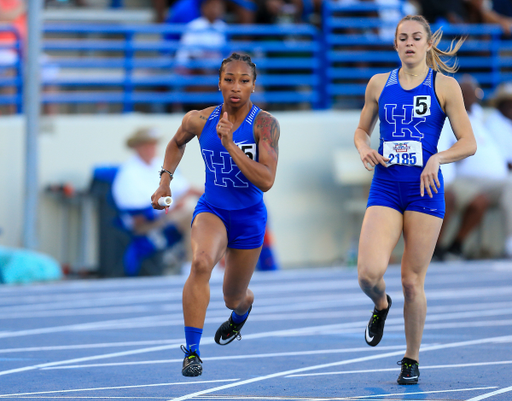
[[406, 153]]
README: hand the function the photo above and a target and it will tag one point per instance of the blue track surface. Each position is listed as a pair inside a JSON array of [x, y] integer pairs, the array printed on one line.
[[304, 340]]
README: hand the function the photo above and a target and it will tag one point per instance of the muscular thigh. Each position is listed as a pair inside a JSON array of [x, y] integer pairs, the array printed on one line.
[[208, 237], [382, 227], [421, 231]]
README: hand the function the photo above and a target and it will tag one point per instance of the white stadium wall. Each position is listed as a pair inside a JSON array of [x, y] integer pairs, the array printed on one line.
[[307, 206]]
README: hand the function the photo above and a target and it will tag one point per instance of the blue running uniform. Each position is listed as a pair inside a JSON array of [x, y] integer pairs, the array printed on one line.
[[410, 125], [228, 193]]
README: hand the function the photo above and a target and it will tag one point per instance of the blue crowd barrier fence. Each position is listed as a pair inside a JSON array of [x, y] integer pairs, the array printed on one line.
[[11, 69], [298, 64], [135, 65]]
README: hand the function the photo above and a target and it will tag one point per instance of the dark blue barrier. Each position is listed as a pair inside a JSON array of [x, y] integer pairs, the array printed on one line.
[[297, 64], [135, 65], [11, 71], [356, 49]]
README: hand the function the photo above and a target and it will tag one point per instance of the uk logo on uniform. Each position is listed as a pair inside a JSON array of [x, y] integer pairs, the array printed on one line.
[[225, 171], [404, 121]]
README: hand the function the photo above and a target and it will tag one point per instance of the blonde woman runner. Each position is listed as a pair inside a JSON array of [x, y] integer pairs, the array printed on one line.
[[407, 193]]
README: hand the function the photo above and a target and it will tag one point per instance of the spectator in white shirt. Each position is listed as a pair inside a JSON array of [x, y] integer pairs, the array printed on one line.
[[480, 181], [152, 230]]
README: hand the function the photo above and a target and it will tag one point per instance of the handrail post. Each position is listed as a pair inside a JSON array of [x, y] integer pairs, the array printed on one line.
[[32, 103]]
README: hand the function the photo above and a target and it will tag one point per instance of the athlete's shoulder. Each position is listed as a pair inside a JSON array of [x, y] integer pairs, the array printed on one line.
[[265, 119], [379, 79], [376, 84], [446, 87], [195, 120], [446, 83]]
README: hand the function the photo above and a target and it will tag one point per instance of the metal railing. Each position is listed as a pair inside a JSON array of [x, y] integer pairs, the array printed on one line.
[[298, 66], [11, 69], [136, 64]]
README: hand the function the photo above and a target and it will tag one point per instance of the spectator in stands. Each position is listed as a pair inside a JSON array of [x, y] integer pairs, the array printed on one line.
[[203, 41], [204, 37], [184, 11], [480, 181], [503, 7], [500, 120], [434, 11], [11, 12], [279, 11], [14, 12], [153, 230], [463, 11]]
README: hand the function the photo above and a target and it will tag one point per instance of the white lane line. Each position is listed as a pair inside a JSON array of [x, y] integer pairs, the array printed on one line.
[[283, 333], [289, 332], [94, 300], [149, 295], [312, 302], [135, 298], [218, 316], [220, 358], [492, 394], [119, 387], [360, 397], [345, 362], [89, 346], [92, 358], [459, 365]]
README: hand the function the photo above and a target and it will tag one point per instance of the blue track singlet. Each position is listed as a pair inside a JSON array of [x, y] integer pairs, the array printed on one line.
[[410, 125], [226, 187]]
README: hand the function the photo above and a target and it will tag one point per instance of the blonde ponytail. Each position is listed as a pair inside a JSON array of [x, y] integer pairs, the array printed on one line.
[[435, 56]]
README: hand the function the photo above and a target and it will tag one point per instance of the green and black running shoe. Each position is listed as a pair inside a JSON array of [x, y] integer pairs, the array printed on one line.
[[191, 364], [229, 330], [410, 371], [375, 329]]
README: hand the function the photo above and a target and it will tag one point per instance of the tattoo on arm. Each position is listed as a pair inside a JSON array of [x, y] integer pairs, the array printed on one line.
[[202, 117], [269, 130]]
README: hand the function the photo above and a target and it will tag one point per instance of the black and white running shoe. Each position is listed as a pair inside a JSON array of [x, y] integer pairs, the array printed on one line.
[[410, 371], [229, 330], [191, 364], [375, 329]]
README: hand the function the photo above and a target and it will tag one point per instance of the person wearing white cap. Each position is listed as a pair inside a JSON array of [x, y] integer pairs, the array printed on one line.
[[152, 230]]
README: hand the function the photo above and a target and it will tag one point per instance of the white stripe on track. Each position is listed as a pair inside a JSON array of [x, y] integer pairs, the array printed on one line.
[[345, 362], [164, 321], [361, 397], [90, 346], [220, 358], [459, 365], [492, 394], [118, 387], [92, 358]]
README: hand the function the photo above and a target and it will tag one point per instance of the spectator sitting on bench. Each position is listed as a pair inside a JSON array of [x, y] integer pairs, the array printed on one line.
[[153, 231], [481, 181]]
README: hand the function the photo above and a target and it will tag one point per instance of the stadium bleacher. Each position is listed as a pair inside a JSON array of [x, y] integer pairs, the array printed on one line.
[[131, 67]]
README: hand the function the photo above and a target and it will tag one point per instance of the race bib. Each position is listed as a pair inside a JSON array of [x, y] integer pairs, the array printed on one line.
[[405, 153]]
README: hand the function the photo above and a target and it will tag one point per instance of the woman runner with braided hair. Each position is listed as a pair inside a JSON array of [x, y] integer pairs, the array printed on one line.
[[239, 145], [407, 193]]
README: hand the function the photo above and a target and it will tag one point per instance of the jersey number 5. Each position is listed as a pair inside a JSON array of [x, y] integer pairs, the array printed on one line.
[[421, 106]]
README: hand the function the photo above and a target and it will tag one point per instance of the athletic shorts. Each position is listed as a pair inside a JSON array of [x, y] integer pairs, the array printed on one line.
[[245, 227], [404, 196]]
